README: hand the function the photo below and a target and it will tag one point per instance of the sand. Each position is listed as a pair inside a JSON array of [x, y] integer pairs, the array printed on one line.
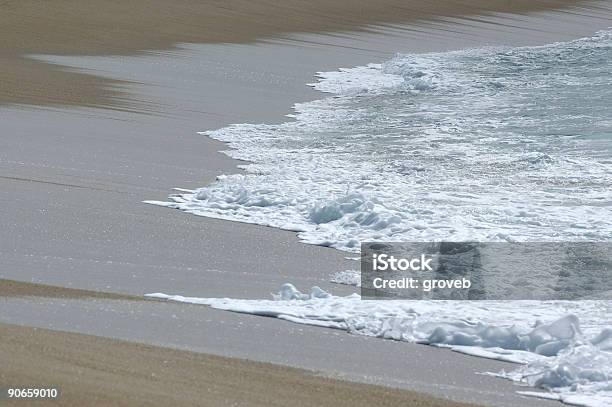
[[72, 180], [10, 288], [93, 27], [95, 371]]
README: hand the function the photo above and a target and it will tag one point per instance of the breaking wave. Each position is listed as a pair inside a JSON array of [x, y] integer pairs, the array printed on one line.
[[486, 144]]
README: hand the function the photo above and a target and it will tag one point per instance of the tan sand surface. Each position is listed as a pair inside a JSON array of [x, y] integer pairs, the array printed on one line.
[[11, 288], [96, 371]]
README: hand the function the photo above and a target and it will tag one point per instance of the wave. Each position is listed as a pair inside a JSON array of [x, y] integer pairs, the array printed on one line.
[[494, 144]]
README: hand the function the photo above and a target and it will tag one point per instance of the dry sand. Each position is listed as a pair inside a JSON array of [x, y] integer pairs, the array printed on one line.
[[96, 371], [94, 27]]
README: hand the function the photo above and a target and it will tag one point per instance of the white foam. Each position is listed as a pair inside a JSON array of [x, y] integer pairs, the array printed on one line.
[[346, 277], [357, 80], [560, 343], [580, 374]]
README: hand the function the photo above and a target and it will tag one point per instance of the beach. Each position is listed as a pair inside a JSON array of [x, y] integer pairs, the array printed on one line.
[[98, 371], [94, 28], [100, 120]]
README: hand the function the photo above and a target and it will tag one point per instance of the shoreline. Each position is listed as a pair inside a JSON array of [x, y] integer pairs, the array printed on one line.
[[80, 27], [94, 234]]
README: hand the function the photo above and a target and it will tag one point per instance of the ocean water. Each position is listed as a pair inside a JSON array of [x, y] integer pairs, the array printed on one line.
[[489, 144], [486, 144]]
